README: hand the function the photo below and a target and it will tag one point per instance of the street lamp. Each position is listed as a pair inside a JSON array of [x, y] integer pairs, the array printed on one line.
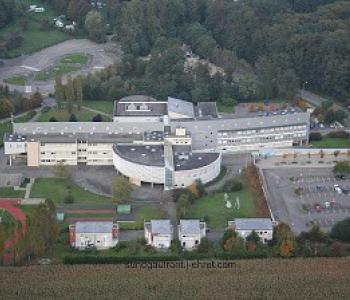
[[303, 88]]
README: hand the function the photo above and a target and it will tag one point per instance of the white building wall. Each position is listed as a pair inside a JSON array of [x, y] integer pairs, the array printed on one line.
[[99, 240], [205, 174], [138, 171], [160, 241], [265, 235], [14, 147]]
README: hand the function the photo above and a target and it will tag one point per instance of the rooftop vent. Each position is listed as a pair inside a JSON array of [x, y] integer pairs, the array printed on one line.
[[143, 154], [200, 158], [132, 149]]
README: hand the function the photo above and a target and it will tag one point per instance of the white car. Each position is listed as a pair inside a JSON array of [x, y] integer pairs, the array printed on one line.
[[338, 189]]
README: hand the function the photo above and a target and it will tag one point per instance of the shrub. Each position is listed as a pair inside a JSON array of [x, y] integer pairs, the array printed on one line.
[[341, 231], [338, 134], [93, 259], [232, 185], [69, 198], [315, 136]]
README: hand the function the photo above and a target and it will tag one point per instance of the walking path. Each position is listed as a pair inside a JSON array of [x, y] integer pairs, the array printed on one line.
[[29, 188], [97, 111]]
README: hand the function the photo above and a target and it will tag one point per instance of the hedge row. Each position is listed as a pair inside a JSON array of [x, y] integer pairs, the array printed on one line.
[[94, 259]]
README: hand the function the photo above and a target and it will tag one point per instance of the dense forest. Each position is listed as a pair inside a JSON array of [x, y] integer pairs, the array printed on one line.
[[277, 44]]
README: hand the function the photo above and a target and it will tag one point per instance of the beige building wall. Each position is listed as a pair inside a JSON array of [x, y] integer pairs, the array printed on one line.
[[99, 154], [33, 154], [53, 153]]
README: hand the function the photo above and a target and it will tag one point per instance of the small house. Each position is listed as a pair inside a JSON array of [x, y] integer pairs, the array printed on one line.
[[244, 227], [159, 233], [190, 233], [101, 235]]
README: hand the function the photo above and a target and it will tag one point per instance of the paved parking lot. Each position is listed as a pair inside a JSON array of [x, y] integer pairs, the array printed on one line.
[[102, 55], [303, 196]]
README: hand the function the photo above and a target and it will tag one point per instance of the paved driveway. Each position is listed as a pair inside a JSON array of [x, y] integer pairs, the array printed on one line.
[[102, 55]]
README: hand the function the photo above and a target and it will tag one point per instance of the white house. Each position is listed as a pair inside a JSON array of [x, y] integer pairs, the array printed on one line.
[[102, 235], [159, 233], [190, 233], [244, 227]]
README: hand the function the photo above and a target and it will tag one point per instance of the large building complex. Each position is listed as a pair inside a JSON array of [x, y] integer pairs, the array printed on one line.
[[171, 142]]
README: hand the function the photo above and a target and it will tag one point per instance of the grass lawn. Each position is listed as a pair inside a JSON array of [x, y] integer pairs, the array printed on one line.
[[54, 71], [79, 58], [103, 106], [332, 143], [63, 116], [16, 80], [222, 108], [4, 128], [143, 213], [25, 118], [9, 192], [90, 215], [8, 222], [56, 190], [213, 207], [35, 38]]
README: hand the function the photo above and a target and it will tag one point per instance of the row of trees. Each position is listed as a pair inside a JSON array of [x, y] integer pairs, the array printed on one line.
[[70, 95], [39, 236], [15, 103], [286, 41]]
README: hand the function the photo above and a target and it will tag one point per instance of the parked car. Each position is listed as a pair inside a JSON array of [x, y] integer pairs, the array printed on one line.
[[338, 189], [317, 207], [340, 177]]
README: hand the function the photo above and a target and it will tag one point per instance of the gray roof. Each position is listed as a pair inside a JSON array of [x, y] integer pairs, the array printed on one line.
[[13, 137], [190, 161], [253, 224], [106, 128], [190, 227], [153, 136], [93, 227], [161, 227], [231, 123], [206, 110], [149, 155], [181, 107], [153, 155]]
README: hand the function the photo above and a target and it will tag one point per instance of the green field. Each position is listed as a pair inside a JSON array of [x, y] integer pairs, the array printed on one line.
[[213, 207], [332, 143], [103, 106], [35, 38], [39, 32], [56, 190], [222, 108], [8, 222], [9, 192], [16, 80], [143, 213], [79, 58], [63, 115], [4, 128], [55, 71]]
